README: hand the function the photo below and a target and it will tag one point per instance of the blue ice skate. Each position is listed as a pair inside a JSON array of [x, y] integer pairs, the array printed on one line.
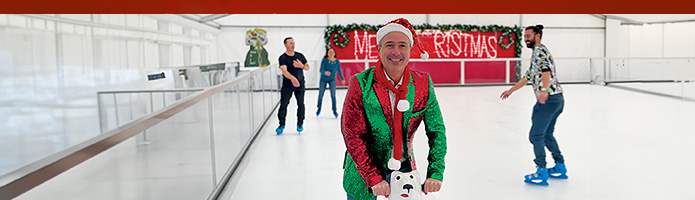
[[300, 129], [335, 114], [279, 130], [559, 171], [538, 178]]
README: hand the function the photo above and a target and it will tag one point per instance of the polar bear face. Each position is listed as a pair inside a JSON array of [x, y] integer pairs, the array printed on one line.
[[405, 185]]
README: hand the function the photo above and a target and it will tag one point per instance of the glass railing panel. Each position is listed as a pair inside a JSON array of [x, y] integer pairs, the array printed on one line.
[[670, 77], [229, 136], [257, 107], [174, 162]]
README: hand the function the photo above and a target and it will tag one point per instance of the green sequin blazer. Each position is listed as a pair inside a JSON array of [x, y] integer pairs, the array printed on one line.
[[367, 126]]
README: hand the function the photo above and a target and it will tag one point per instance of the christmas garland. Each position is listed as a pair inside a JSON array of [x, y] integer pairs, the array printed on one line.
[[340, 31]]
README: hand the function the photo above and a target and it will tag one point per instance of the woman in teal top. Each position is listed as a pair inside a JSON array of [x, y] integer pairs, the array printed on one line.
[[329, 66]]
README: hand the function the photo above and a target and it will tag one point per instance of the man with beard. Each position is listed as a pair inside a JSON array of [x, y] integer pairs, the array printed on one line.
[[542, 75]]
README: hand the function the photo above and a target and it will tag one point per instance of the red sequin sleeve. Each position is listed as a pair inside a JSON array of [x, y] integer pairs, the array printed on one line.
[[353, 126]]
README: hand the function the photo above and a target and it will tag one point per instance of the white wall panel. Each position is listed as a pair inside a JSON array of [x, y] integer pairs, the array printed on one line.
[[575, 43], [476, 19], [646, 41], [175, 28], [679, 40], [149, 23], [134, 52], [204, 55], [566, 20], [16, 20], [212, 54], [115, 19], [44, 52], [78, 71], [38, 23], [81, 17], [274, 19], [164, 52], [79, 29], [66, 28], [374, 19], [51, 26], [195, 55], [3, 19], [133, 20], [624, 42], [150, 55], [176, 55], [232, 46]]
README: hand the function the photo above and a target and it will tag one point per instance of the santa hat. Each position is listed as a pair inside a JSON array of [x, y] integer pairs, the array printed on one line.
[[402, 25]]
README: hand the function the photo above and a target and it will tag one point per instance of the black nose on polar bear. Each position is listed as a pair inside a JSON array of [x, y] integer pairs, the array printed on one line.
[[408, 187]]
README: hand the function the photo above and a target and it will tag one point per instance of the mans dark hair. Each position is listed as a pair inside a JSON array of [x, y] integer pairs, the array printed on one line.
[[326, 56], [537, 29], [285, 41]]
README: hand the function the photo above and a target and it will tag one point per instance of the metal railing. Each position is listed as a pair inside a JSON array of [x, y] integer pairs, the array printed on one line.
[[587, 69], [462, 63], [613, 70], [197, 139]]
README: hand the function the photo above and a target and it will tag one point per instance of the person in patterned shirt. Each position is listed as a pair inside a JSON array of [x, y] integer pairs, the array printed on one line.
[[542, 75]]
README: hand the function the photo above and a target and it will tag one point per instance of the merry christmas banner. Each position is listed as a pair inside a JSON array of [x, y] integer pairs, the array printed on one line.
[[439, 44], [358, 42]]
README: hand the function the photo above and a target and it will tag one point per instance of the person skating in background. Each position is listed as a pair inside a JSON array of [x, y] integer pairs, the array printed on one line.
[[330, 65], [293, 64], [549, 105]]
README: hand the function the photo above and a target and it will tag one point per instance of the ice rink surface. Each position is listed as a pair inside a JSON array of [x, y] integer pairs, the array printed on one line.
[[618, 144]]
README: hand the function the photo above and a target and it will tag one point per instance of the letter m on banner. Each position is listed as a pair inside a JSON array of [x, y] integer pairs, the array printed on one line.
[[365, 45]]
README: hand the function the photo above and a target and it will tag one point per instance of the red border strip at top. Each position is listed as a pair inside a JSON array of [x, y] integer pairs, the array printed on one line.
[[345, 7]]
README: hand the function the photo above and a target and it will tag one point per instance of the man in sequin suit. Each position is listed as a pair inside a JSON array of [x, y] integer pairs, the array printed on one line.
[[378, 99]]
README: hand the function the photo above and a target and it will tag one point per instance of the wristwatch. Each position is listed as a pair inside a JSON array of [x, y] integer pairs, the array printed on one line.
[[545, 90]]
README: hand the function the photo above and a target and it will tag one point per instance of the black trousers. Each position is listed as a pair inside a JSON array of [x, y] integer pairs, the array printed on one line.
[[285, 95]]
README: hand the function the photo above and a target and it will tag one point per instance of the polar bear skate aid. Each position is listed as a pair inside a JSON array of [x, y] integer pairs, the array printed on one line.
[[405, 185]]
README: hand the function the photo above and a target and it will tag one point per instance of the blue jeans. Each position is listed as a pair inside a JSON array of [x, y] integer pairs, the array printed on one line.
[[541, 135], [322, 88]]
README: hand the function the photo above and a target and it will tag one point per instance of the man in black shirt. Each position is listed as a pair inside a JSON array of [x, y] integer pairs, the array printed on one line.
[[292, 64]]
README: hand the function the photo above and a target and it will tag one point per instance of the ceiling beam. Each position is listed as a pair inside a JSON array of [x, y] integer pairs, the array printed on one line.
[[600, 16], [212, 17], [671, 21], [198, 19], [625, 20]]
